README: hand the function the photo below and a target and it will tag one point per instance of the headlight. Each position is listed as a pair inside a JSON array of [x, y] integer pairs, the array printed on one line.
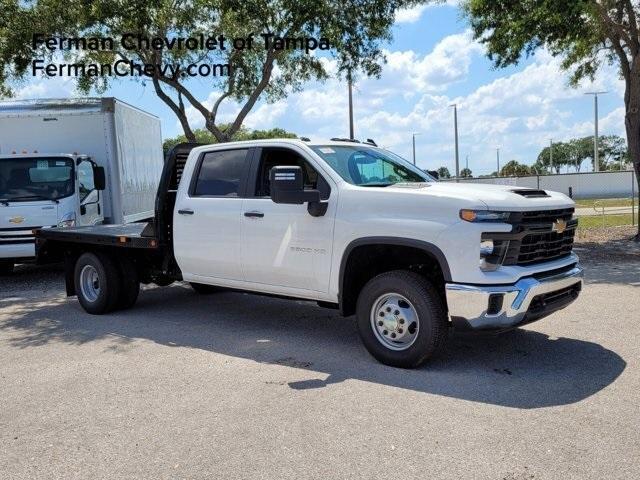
[[492, 253], [68, 220], [484, 216]]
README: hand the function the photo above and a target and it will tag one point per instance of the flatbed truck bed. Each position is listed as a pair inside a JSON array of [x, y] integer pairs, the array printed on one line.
[[134, 235]]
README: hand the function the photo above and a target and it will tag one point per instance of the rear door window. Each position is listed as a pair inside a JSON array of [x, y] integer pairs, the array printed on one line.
[[221, 173]]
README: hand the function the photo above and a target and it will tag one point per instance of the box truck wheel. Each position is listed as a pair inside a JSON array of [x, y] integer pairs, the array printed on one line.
[[97, 282], [401, 319], [129, 284], [6, 267]]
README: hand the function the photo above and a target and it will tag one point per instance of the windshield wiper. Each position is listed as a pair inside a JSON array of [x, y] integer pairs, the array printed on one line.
[[379, 184]]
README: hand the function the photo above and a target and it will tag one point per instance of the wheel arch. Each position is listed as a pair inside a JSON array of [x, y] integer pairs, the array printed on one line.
[[347, 298]]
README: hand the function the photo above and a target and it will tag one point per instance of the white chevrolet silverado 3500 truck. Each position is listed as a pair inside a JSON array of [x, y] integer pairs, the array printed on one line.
[[73, 162], [349, 225]]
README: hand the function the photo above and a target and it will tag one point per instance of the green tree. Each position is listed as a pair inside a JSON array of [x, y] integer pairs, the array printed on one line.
[[206, 137], [585, 33], [514, 169], [573, 153], [354, 29], [466, 173], [443, 172]]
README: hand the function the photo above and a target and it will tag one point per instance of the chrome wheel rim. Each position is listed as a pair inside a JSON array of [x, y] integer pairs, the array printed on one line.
[[395, 321], [90, 283]]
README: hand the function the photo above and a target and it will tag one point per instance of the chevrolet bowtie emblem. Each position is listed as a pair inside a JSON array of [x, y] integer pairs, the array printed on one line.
[[559, 226], [16, 220]]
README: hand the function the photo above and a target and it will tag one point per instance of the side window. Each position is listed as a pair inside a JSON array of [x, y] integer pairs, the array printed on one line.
[[272, 157], [220, 173], [85, 179]]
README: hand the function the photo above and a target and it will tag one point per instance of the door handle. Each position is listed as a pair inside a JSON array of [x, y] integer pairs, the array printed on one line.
[[254, 214], [185, 212]]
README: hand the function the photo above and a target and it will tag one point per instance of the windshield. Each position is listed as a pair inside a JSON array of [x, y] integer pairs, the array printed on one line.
[[370, 166], [24, 179]]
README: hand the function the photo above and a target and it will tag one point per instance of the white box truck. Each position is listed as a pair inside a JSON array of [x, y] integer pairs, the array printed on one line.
[[73, 162]]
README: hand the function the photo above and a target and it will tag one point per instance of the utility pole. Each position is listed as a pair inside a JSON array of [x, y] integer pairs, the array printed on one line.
[[498, 160], [467, 162], [455, 129], [350, 82], [551, 155], [414, 146], [596, 160]]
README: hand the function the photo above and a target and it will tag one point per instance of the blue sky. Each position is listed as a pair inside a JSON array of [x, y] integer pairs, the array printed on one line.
[[432, 63]]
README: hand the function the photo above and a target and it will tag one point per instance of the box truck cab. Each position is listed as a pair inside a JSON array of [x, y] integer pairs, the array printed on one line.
[[73, 162], [43, 191]]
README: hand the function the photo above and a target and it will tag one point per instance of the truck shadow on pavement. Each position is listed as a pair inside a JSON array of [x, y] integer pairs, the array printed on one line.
[[521, 369]]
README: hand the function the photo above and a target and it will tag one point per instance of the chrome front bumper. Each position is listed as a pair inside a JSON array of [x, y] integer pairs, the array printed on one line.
[[527, 300]]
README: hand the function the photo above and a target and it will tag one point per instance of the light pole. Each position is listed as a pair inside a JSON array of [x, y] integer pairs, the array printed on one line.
[[455, 129], [596, 162], [498, 160], [551, 155], [414, 146], [350, 83]]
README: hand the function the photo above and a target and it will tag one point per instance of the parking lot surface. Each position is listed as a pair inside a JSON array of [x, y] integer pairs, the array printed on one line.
[[238, 386]]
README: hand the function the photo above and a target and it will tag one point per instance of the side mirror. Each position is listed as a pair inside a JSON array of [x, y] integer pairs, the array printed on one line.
[[99, 178], [287, 186]]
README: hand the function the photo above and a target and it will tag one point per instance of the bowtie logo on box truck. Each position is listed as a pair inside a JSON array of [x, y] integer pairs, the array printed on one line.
[[16, 220]]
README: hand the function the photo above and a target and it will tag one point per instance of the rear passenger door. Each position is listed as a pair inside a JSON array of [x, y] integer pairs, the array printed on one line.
[[207, 217]]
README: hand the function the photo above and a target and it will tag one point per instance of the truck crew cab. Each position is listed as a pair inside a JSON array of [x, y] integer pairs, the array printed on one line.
[[346, 224]]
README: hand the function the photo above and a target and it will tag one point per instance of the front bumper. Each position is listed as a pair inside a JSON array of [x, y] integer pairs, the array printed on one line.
[[17, 251], [491, 307]]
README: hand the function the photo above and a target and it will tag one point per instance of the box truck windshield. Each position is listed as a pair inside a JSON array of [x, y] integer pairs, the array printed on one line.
[[35, 178]]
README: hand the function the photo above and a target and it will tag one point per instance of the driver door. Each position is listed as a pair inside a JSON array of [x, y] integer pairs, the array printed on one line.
[[283, 245], [90, 212]]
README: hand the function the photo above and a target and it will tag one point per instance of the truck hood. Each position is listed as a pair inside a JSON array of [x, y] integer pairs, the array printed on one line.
[[28, 215], [495, 197]]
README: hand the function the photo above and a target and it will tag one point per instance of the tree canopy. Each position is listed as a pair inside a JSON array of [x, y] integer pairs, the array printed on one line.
[[574, 152], [353, 29], [443, 172], [204, 136], [514, 169]]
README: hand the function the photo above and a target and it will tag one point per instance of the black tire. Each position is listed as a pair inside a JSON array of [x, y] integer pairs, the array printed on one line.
[[108, 278], [6, 267], [204, 289], [129, 284], [433, 326]]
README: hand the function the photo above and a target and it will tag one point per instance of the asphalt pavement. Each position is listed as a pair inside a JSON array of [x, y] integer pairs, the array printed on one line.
[[234, 386]]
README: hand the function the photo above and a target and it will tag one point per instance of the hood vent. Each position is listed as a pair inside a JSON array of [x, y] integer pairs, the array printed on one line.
[[531, 193]]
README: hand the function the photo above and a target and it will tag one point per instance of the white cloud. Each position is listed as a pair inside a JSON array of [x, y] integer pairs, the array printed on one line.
[[413, 14], [518, 112], [47, 88]]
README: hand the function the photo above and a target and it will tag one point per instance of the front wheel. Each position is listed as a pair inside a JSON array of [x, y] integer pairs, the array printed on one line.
[[401, 319]]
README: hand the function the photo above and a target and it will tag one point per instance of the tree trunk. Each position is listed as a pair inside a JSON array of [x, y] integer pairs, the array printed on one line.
[[632, 123]]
